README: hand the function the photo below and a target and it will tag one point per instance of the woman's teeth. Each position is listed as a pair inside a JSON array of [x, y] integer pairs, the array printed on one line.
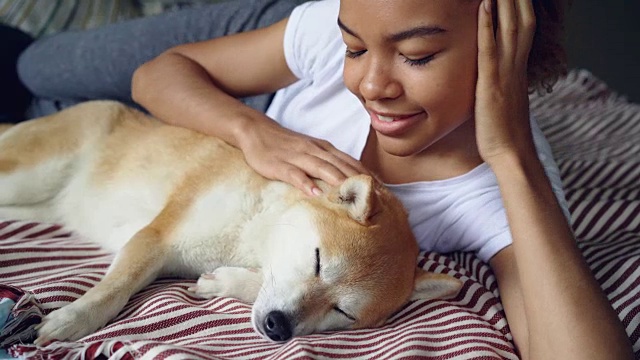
[[385, 118]]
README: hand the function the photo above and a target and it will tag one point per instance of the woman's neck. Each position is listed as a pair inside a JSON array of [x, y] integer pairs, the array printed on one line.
[[454, 155]]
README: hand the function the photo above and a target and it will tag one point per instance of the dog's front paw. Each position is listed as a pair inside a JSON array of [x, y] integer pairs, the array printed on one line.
[[71, 323], [236, 282]]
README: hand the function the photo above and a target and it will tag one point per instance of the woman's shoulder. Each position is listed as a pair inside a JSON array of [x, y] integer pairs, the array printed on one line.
[[316, 15], [312, 40]]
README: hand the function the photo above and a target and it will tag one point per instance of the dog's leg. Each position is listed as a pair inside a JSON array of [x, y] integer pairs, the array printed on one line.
[[135, 266], [42, 212], [236, 282], [8, 165], [35, 159], [5, 127], [38, 157]]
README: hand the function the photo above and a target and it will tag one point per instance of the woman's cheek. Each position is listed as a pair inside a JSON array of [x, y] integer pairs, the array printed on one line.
[[349, 79]]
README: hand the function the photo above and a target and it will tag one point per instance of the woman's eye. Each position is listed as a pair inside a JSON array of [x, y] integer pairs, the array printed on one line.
[[354, 54], [419, 62]]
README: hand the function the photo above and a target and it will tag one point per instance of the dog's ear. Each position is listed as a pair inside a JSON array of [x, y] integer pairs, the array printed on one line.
[[429, 285], [358, 195]]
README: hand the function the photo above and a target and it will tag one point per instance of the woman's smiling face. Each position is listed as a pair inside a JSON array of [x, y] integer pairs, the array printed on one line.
[[413, 65]]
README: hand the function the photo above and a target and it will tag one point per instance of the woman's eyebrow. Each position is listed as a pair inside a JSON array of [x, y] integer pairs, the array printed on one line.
[[418, 31], [344, 27]]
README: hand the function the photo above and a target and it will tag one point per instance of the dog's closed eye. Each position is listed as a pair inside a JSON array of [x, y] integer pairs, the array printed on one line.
[[317, 262], [336, 308]]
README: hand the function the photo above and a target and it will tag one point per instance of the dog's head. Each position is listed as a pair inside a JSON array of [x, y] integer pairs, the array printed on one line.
[[344, 260]]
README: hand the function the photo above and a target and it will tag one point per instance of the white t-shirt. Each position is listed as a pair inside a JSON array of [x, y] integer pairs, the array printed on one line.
[[464, 213]]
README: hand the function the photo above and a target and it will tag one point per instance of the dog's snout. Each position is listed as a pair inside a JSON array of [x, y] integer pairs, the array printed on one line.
[[277, 326]]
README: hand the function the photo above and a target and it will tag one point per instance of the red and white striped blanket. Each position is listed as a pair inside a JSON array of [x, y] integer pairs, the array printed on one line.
[[595, 136]]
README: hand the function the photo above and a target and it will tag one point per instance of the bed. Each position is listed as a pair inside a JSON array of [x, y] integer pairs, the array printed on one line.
[[595, 136]]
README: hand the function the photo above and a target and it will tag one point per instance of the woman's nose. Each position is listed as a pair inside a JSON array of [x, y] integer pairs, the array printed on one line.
[[378, 82]]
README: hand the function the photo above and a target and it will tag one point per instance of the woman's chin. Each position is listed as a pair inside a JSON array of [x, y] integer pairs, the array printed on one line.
[[401, 147]]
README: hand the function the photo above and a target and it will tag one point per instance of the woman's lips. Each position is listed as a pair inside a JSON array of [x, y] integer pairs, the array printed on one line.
[[394, 125]]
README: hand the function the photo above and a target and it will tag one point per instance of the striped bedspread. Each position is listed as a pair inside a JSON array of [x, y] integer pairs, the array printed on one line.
[[595, 135]]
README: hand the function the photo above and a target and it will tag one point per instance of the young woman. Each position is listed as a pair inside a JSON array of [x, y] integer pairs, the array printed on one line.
[[431, 96]]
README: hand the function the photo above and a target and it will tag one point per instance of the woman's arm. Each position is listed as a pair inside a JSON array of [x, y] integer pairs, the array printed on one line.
[[196, 86], [555, 307]]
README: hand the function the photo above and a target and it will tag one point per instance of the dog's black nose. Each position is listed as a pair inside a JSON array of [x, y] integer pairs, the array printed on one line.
[[277, 326]]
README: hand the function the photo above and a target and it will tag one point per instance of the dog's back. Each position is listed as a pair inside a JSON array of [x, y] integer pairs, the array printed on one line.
[[106, 170]]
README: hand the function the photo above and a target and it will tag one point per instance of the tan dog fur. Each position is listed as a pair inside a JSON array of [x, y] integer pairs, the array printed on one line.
[[171, 201]]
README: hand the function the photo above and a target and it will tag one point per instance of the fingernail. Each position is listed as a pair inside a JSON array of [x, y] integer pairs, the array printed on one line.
[[315, 191], [487, 6]]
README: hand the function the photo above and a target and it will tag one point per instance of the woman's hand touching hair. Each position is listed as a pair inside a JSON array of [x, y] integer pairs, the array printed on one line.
[[502, 102]]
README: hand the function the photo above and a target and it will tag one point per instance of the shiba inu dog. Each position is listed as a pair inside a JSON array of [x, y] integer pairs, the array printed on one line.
[[174, 202]]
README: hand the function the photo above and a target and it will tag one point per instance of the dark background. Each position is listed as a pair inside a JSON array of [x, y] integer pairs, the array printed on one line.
[[603, 36]]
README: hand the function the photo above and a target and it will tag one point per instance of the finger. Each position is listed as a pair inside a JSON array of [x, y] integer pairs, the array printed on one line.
[[355, 164], [527, 26], [487, 48], [319, 168], [299, 179], [343, 162], [507, 36], [348, 165]]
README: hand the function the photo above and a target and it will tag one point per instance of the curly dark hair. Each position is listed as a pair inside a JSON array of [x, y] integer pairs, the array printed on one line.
[[547, 59]]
